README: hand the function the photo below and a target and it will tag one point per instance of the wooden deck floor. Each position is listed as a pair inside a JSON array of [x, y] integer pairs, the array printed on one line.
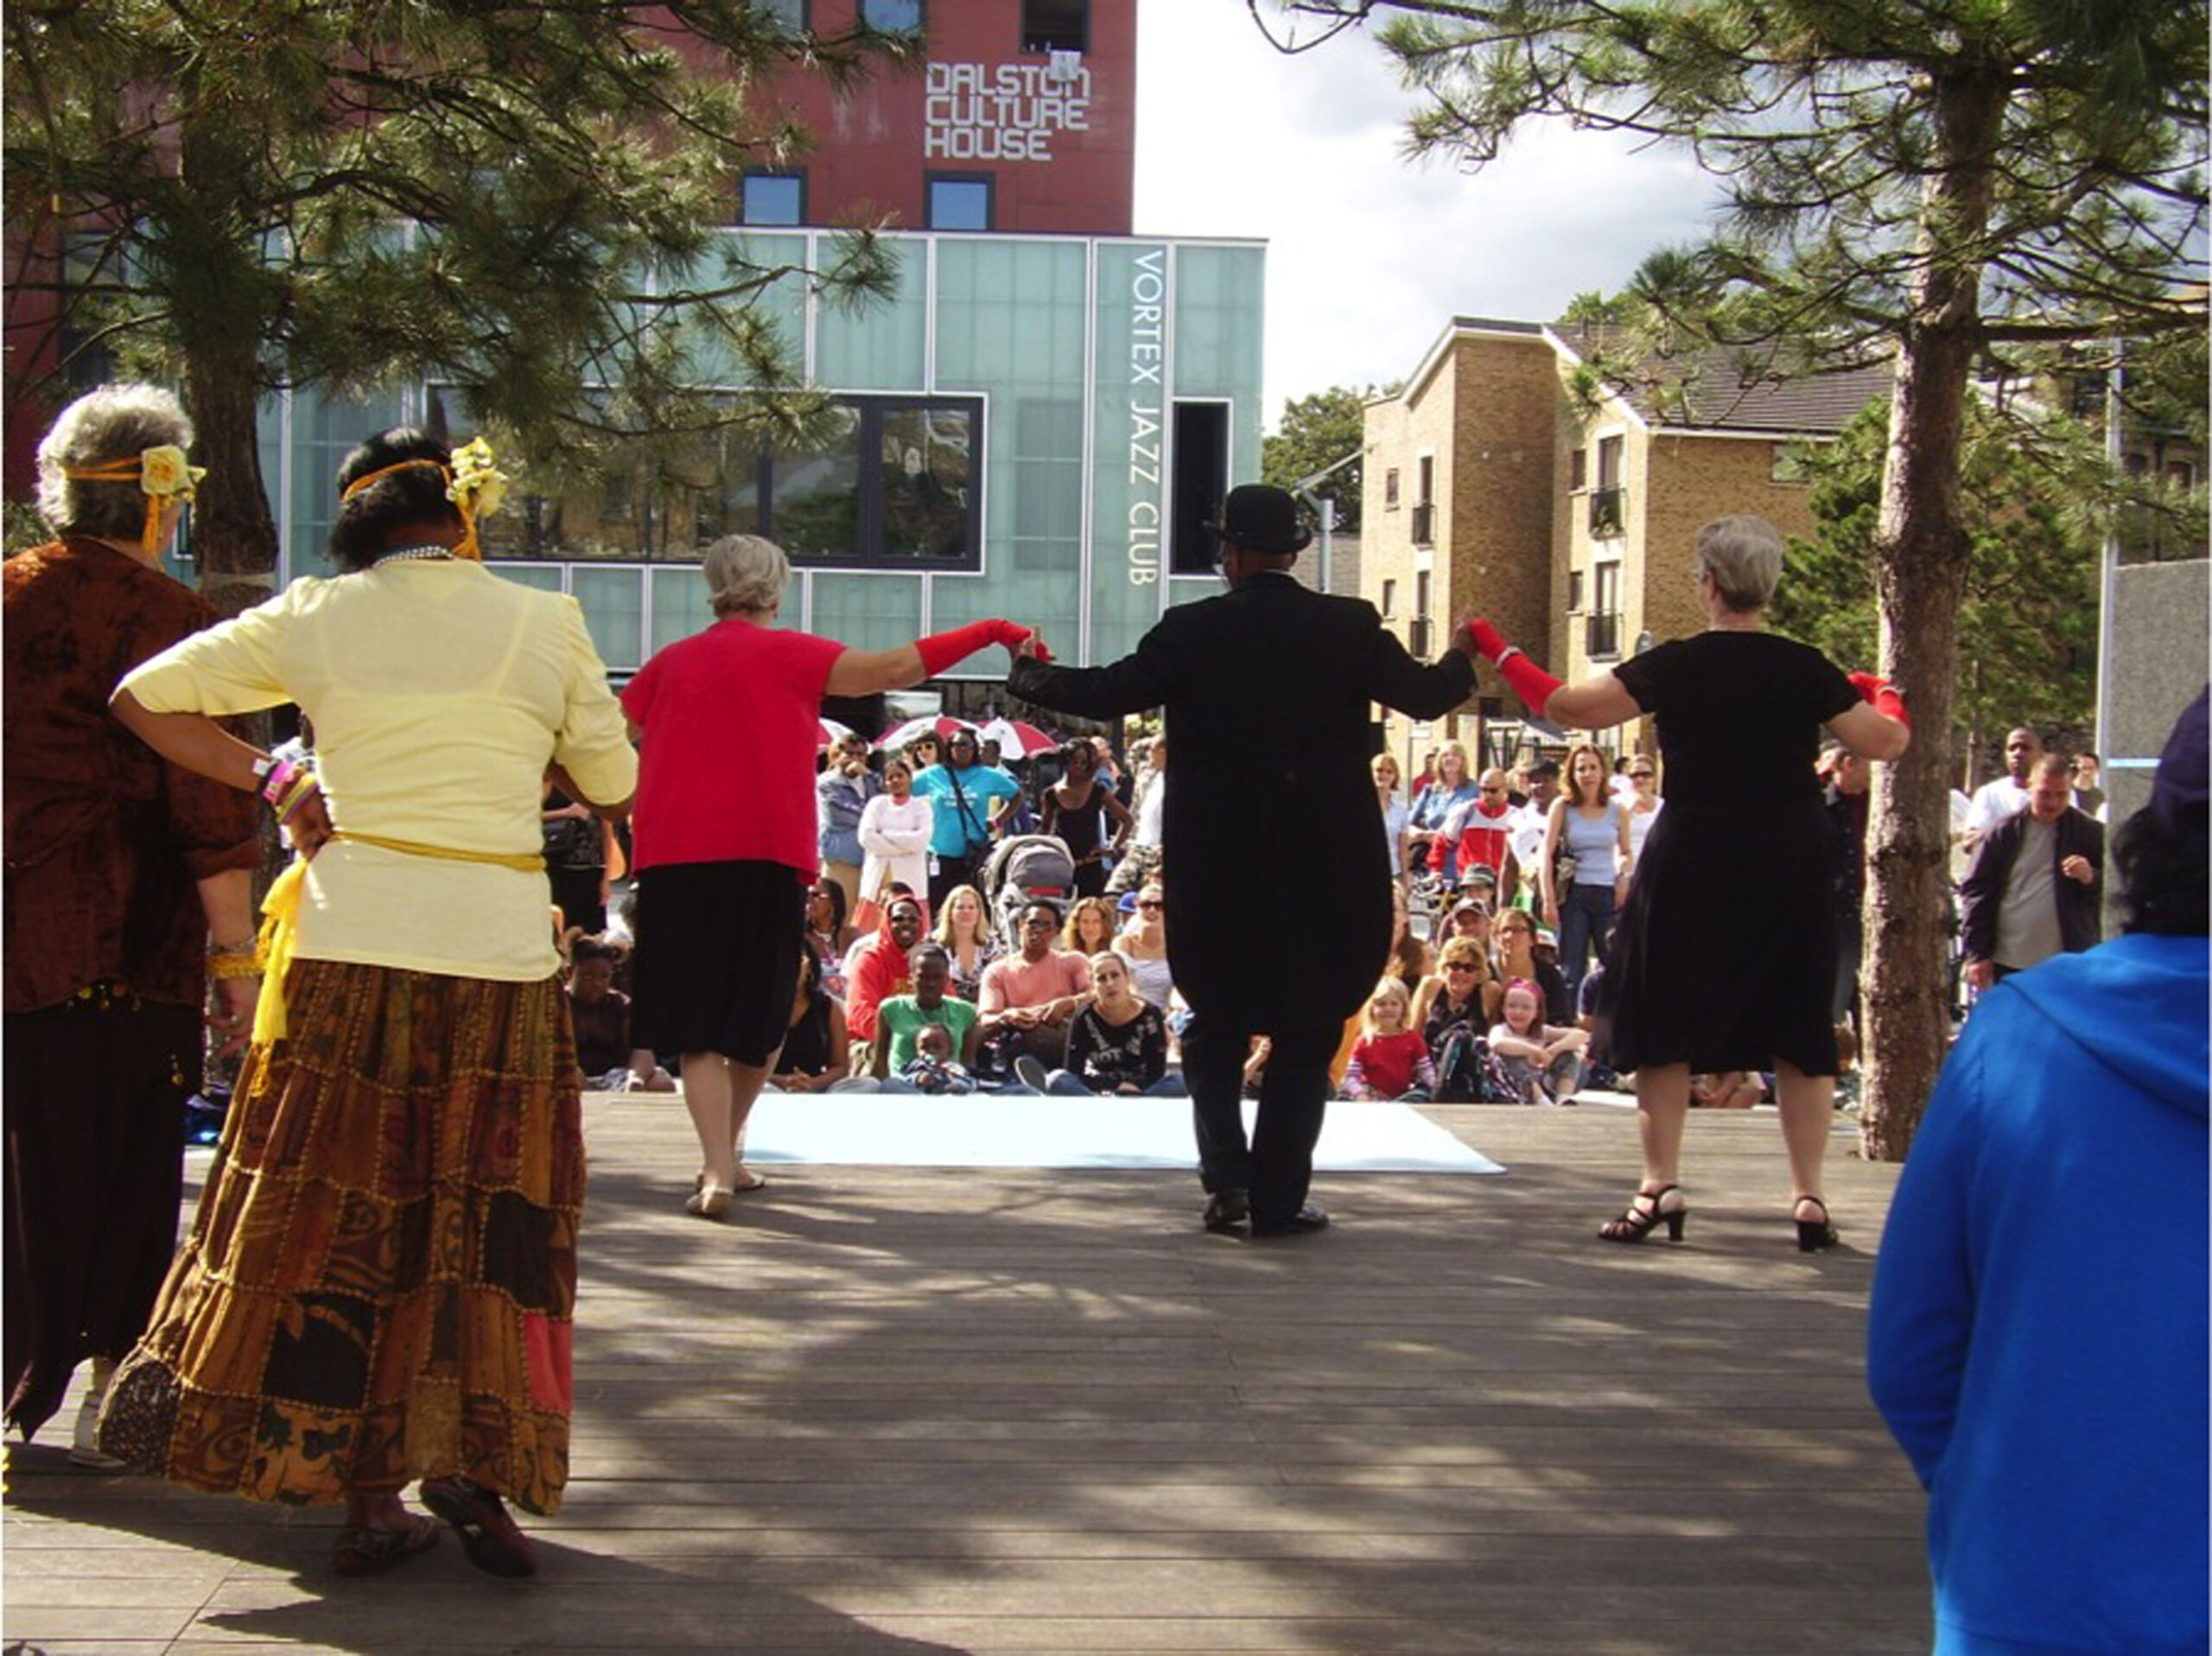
[[899, 1410]]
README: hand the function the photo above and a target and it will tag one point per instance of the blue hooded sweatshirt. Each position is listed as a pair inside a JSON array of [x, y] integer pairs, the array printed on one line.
[[2037, 1336]]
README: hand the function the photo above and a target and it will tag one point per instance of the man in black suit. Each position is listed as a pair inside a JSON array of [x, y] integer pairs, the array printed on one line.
[[1275, 873]]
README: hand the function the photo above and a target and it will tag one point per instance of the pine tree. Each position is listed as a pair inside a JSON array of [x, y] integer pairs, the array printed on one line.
[[1951, 187], [519, 200]]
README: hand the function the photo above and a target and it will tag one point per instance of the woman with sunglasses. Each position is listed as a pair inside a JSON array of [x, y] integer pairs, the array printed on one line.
[[1642, 804], [1144, 946]]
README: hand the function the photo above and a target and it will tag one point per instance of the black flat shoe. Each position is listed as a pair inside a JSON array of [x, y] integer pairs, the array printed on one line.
[[1308, 1220], [1226, 1210]]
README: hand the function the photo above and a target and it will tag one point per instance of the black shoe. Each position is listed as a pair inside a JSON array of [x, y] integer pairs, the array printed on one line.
[[1227, 1209], [1308, 1220]]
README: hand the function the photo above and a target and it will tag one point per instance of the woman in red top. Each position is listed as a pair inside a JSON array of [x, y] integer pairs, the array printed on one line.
[[724, 833]]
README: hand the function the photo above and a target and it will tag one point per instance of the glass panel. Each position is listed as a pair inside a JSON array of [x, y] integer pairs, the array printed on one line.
[[959, 203], [889, 15], [927, 456], [325, 428], [737, 255], [545, 577], [789, 16], [878, 346], [814, 493], [1055, 25], [1218, 324], [868, 611], [772, 199], [680, 607], [614, 609]]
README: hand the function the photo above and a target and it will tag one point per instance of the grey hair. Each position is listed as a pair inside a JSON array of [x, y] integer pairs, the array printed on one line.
[[116, 423], [1744, 556], [745, 572]]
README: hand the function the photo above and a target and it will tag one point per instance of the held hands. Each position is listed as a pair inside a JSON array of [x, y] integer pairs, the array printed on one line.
[[1482, 636], [1019, 640]]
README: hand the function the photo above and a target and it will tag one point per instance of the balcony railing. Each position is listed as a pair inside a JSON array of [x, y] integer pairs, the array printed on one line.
[[1604, 637], [1425, 523], [1608, 511]]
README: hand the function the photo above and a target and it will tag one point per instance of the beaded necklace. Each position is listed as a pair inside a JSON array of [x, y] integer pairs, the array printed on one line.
[[411, 555]]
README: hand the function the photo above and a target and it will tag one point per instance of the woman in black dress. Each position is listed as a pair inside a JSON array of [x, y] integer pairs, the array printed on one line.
[[1076, 808], [1724, 955]]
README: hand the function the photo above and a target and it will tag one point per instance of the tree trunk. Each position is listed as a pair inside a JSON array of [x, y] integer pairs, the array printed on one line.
[[1920, 580], [233, 536]]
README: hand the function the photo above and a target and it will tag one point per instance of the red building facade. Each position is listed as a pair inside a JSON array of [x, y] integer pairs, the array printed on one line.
[[1022, 118]]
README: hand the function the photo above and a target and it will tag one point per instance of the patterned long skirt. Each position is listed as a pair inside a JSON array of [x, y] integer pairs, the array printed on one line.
[[380, 1278]]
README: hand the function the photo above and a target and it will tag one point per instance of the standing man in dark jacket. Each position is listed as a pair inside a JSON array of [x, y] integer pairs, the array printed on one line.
[[2037, 884], [1277, 885]]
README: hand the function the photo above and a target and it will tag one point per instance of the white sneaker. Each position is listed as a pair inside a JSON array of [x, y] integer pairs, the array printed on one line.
[[84, 1445], [1030, 1073]]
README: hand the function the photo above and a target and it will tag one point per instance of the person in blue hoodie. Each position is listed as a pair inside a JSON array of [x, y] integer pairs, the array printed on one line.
[[2037, 1337]]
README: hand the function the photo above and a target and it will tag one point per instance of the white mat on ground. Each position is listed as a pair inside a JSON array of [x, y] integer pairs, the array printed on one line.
[[867, 1129]]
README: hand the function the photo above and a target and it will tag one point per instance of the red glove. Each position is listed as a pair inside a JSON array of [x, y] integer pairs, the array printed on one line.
[[1883, 697], [1529, 682], [1485, 637], [944, 649]]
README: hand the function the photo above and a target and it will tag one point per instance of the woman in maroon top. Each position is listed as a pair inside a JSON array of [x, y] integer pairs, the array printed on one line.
[[126, 876], [724, 834]]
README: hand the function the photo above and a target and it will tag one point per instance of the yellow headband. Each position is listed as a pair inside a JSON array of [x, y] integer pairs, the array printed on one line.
[[161, 471], [472, 483]]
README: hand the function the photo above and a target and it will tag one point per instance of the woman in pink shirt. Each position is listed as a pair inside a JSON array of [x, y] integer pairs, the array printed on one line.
[[725, 837]]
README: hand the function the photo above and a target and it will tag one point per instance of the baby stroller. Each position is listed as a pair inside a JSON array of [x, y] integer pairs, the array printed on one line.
[[1026, 868]]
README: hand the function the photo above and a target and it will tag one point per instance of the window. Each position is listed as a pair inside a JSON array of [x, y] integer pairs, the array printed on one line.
[[1390, 490], [1199, 480], [773, 198], [1605, 625], [1055, 25], [1578, 471], [959, 201], [1788, 468], [1421, 579], [1390, 598], [1426, 493], [1573, 591], [890, 16], [788, 16], [1609, 500]]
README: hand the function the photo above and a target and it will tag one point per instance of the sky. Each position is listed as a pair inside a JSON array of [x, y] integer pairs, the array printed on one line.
[[1369, 255]]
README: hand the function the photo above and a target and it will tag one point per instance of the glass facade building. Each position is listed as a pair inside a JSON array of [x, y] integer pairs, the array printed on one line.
[[1032, 426]]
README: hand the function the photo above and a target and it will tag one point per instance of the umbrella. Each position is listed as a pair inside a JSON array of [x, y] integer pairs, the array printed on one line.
[[1017, 738], [832, 732], [940, 725]]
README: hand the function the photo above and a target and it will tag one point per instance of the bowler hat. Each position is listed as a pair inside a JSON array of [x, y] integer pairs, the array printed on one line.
[[1262, 517]]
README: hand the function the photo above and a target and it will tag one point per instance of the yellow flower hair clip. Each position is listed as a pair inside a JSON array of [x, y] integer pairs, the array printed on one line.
[[478, 483], [164, 474]]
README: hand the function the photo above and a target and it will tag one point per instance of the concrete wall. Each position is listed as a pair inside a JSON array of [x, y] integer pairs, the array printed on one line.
[[2158, 663]]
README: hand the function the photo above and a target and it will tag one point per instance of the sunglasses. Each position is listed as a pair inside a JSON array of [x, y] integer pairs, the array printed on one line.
[[1639, 775], [1460, 966], [1153, 903]]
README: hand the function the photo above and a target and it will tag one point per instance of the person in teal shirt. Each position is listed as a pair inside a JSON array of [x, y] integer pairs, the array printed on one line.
[[960, 792]]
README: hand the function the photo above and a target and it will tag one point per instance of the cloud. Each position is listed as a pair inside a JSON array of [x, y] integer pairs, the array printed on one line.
[[1369, 254]]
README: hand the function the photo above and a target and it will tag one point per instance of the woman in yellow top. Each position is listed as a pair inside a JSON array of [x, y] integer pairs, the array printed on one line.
[[380, 1277]]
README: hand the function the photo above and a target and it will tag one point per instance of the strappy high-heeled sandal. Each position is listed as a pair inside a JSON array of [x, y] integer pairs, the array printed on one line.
[[1643, 1214], [1814, 1235]]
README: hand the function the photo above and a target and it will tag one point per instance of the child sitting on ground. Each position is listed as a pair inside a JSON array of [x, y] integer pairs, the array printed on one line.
[[1390, 1060], [1542, 1063], [600, 1014], [933, 1069]]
